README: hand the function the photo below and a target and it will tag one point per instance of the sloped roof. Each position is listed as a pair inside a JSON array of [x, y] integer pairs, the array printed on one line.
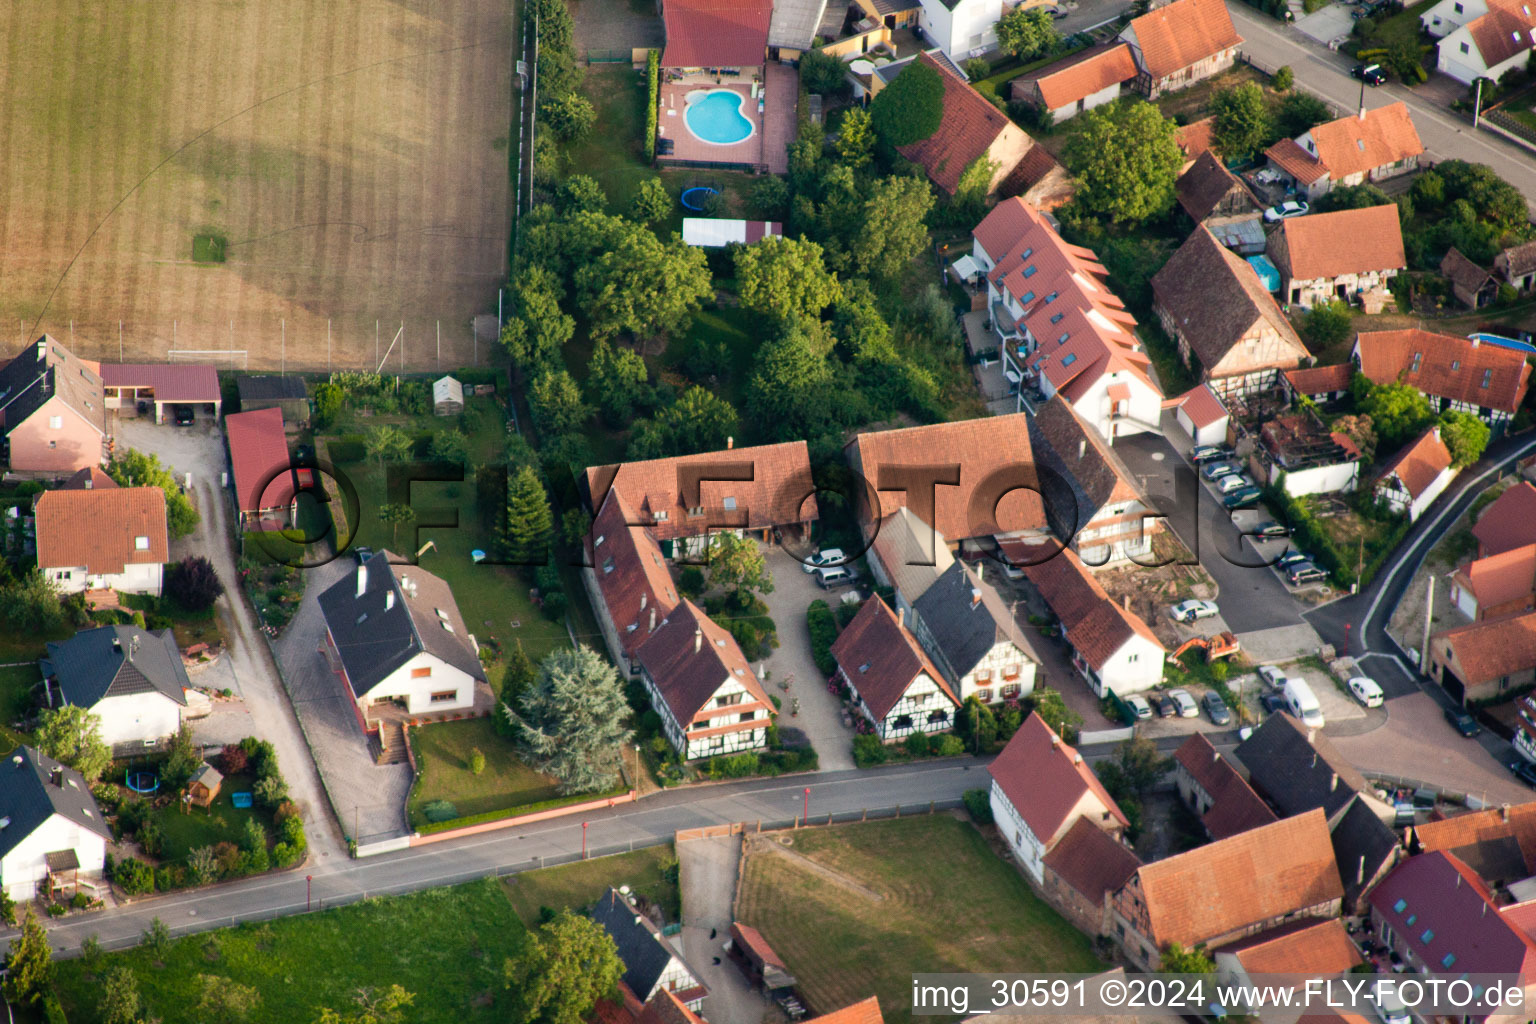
[[88, 479], [1044, 777], [1448, 366], [969, 128], [1085, 75], [1215, 297], [1202, 405], [642, 949], [1494, 828], [967, 618], [751, 488], [1452, 906], [982, 450], [115, 661], [102, 529], [173, 382], [208, 775], [1209, 891], [1355, 145], [1297, 774], [912, 553], [1183, 33], [1463, 272], [1490, 650], [865, 1011], [258, 453], [666, 1008], [33, 788], [1296, 162], [1311, 947], [1092, 861], [1095, 624], [1519, 259], [1195, 138], [1420, 463], [715, 33], [390, 623], [1079, 455], [1505, 30], [881, 658], [631, 573], [1003, 226], [1363, 846], [794, 23], [42, 370], [1205, 184], [1510, 522], [1327, 245], [1235, 807], [270, 388], [689, 669], [1318, 380]]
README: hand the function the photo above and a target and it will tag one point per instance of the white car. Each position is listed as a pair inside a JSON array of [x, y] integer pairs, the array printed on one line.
[[1189, 611], [1285, 211], [1187, 706], [1233, 482], [829, 556], [1366, 691], [1139, 705], [1272, 677]]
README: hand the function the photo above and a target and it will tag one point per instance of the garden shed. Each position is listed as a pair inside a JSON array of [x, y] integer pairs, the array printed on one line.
[[447, 397]]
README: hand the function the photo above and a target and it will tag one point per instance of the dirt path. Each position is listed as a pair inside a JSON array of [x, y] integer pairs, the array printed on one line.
[[707, 870], [775, 844]]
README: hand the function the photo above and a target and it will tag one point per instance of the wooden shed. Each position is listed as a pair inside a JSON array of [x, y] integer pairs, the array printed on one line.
[[267, 392], [204, 786], [447, 396], [758, 960]]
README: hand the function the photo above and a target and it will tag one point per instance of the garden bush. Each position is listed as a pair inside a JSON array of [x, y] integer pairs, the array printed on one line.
[[735, 766], [134, 877], [823, 627], [978, 806], [868, 751], [439, 810], [917, 744], [948, 745], [653, 86]]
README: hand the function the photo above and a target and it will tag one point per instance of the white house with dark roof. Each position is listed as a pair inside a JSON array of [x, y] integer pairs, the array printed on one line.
[[651, 965], [701, 685], [132, 679], [896, 687], [970, 633], [907, 555], [49, 825]]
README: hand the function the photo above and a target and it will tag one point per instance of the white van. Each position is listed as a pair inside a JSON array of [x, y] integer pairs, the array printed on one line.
[[1302, 702]]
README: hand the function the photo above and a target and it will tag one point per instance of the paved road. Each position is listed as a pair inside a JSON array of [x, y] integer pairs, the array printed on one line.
[[1326, 73]]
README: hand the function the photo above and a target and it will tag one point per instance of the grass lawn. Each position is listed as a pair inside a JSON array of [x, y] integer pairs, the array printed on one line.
[[1400, 27], [223, 821], [442, 752], [924, 920], [446, 946], [613, 151], [735, 328], [581, 884], [16, 684]]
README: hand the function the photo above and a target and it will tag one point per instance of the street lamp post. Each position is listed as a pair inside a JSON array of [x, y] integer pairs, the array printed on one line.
[[583, 840], [806, 812], [308, 883]]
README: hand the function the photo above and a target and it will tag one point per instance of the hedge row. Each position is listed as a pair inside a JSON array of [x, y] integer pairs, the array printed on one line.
[[1309, 535], [653, 79], [427, 828], [823, 627]]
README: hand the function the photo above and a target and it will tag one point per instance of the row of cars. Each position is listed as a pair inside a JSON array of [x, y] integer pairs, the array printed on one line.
[[1237, 490], [1179, 703]]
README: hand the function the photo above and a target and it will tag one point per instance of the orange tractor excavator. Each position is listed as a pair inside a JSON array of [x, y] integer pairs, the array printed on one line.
[[1222, 645]]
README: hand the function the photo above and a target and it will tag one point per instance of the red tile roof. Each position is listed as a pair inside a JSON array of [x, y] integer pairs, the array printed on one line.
[[1095, 625], [99, 528], [1044, 777], [1209, 891], [1235, 807], [715, 33], [173, 382], [1420, 464], [753, 940], [1182, 34], [1087, 75], [688, 667], [1355, 145], [1201, 405], [1318, 380], [666, 1008], [1505, 30], [751, 488], [1452, 905], [1315, 948], [1473, 828], [1499, 579], [1328, 245], [632, 574], [970, 126], [1092, 861], [1195, 137], [981, 449], [89, 478], [258, 452], [1448, 366], [865, 1011], [1296, 162], [1510, 522], [881, 658], [1003, 226], [1493, 649]]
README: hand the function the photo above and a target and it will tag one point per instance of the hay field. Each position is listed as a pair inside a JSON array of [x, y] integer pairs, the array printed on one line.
[[346, 161]]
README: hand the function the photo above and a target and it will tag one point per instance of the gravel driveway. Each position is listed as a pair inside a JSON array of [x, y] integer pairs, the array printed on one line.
[[707, 872]]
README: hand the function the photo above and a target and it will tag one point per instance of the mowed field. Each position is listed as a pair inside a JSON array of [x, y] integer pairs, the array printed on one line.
[[347, 160]]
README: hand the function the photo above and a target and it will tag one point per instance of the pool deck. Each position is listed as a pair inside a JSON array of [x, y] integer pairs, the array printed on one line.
[[772, 130]]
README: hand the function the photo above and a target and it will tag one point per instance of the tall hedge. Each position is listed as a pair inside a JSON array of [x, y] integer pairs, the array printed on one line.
[[823, 627], [653, 79]]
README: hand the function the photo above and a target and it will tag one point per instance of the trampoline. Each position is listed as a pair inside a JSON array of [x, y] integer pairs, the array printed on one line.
[[142, 782], [695, 198]]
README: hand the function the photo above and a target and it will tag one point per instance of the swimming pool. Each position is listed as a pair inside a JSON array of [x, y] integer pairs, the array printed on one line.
[[714, 116]]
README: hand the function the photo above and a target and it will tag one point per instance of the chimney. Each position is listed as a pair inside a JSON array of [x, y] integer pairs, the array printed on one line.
[[1360, 872], [42, 348], [698, 640], [642, 601], [1082, 448], [975, 597], [1127, 602], [1476, 341], [1077, 758], [389, 599], [901, 616], [1504, 812], [57, 777], [1055, 741], [117, 645], [133, 646], [980, 568], [1458, 879], [1215, 756], [730, 442], [362, 580]]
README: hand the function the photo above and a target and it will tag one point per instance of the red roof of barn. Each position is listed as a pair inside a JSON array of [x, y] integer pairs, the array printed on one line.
[[258, 453], [1317, 380], [1510, 522], [1183, 34], [173, 382], [970, 126], [1444, 365], [1421, 463]]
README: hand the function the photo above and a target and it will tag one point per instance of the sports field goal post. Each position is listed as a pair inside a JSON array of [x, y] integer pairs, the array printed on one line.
[[235, 355]]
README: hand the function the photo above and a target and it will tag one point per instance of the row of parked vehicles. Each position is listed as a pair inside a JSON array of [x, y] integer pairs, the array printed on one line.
[[1218, 465], [1179, 703]]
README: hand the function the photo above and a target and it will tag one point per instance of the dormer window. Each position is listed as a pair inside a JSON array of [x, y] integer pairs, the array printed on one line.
[[1027, 299], [607, 565], [660, 517], [599, 542], [1418, 357], [1064, 336], [697, 510], [1069, 360], [1027, 253], [1030, 271], [1051, 298]]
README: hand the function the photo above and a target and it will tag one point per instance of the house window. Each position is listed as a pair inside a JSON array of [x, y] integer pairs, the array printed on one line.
[[983, 675], [1051, 298], [1010, 691], [902, 722], [1487, 377], [660, 517], [1428, 936], [747, 716], [1458, 8], [938, 717], [55, 422], [1011, 672], [1418, 357], [421, 673], [445, 696], [1056, 318], [1455, 364], [984, 695], [727, 701], [1027, 299], [1030, 271], [53, 444], [141, 543], [1400, 906]]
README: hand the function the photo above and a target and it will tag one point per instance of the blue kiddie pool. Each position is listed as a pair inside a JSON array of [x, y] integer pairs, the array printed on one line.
[[241, 800], [714, 116]]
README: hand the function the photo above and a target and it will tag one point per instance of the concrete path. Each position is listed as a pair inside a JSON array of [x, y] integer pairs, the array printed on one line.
[[707, 869], [820, 715]]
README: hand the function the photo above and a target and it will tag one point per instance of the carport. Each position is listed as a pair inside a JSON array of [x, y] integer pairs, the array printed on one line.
[[127, 384]]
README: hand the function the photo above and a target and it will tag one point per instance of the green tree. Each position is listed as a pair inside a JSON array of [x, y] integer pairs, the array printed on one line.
[[374, 1007], [1283, 78], [7, 908], [1327, 324], [1243, 124], [529, 522], [396, 514], [558, 72], [1495, 199], [1141, 765], [224, 1000], [562, 971], [120, 1000], [1126, 161], [1178, 960], [536, 328], [329, 399], [910, 108], [974, 186], [784, 278], [521, 671], [1428, 191], [1053, 711], [791, 393], [1351, 197], [476, 761], [856, 138], [644, 285], [570, 723], [652, 203], [1398, 411], [737, 564], [30, 963], [698, 421], [182, 759], [821, 74], [388, 444], [72, 735], [451, 446], [569, 115], [575, 524], [580, 192], [30, 604], [193, 583], [1299, 113], [556, 403], [1027, 34], [202, 865], [1465, 436], [617, 381], [770, 198], [132, 468], [1360, 432], [900, 206]]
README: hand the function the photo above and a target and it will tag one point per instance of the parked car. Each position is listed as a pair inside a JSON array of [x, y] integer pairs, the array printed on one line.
[[1462, 721], [1269, 528], [1272, 702], [1215, 470], [1138, 705], [1056, 12], [1370, 74], [1272, 677], [1166, 706], [826, 556], [1305, 572], [1189, 611], [184, 415], [1290, 558], [1241, 498], [1216, 709], [1302, 702], [1186, 703], [1286, 210], [829, 576], [1206, 452], [1234, 482], [1524, 770], [1366, 691]]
